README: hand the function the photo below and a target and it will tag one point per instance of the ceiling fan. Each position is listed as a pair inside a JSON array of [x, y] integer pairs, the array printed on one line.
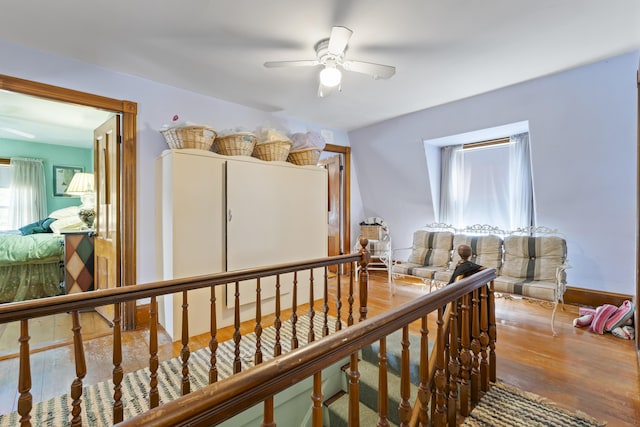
[[330, 53]]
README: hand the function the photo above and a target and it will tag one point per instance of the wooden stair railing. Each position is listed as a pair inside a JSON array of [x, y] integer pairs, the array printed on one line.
[[73, 304], [222, 400]]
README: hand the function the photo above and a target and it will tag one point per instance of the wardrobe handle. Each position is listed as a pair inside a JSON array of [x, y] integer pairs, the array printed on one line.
[[229, 216]]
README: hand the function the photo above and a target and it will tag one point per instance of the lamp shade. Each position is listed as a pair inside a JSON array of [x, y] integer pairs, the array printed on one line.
[[80, 184]]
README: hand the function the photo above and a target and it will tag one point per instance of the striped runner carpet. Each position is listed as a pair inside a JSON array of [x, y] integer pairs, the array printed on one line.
[[97, 399], [508, 406]]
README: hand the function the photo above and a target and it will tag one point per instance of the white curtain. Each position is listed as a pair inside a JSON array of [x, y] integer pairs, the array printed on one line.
[[28, 201], [521, 188], [451, 181]]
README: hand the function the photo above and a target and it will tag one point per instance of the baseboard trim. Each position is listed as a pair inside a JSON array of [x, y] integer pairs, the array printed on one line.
[[593, 298]]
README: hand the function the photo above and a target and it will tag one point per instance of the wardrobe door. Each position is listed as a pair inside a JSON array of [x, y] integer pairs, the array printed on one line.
[[191, 231], [276, 213]]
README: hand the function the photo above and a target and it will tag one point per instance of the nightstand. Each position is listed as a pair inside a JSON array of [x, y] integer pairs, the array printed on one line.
[[78, 260]]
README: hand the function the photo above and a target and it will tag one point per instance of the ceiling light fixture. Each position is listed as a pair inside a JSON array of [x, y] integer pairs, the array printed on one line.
[[330, 76]]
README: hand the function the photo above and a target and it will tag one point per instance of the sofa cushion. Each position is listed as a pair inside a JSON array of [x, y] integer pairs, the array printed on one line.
[[544, 290], [431, 248], [405, 268], [533, 258], [376, 247], [443, 276], [486, 250]]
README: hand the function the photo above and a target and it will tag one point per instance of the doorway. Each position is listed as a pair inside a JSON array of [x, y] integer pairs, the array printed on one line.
[[127, 110], [339, 203]]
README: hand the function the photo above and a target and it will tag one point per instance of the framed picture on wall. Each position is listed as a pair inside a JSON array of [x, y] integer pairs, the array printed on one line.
[[62, 177]]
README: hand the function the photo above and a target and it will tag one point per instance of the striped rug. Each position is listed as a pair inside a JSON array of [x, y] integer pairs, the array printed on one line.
[[507, 406], [97, 399]]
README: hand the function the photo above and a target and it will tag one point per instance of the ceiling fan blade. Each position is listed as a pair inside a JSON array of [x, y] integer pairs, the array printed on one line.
[[303, 63], [338, 41], [377, 71], [324, 91]]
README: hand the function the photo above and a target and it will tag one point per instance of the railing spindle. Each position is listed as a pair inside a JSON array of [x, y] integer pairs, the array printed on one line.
[[25, 401], [423, 387], [325, 306], [338, 303], [475, 347], [350, 299], [184, 351], [257, 359], [454, 364], [363, 278], [268, 412], [118, 373], [354, 391], [440, 378], [154, 395], [383, 392], [484, 339], [465, 358], [492, 334], [237, 336], [277, 324], [81, 370], [213, 342], [404, 409], [312, 335], [316, 398], [294, 314]]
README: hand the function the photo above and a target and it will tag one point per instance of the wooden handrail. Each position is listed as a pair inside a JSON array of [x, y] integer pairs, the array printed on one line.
[[10, 312], [222, 400]]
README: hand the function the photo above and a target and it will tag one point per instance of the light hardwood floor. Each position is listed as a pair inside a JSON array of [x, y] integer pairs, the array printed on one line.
[[579, 370]]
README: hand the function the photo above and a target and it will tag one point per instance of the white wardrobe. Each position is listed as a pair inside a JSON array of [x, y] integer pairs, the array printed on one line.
[[225, 213]]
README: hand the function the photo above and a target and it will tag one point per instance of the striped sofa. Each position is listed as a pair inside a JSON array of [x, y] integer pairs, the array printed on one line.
[[529, 262]]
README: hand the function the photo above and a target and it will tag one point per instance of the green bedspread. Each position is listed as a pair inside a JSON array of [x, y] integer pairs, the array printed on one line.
[[30, 266], [18, 249]]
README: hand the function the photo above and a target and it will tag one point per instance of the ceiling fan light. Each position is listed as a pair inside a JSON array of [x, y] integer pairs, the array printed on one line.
[[330, 76]]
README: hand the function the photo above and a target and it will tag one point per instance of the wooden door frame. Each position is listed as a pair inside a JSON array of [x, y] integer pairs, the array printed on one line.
[[128, 111], [346, 191], [637, 314]]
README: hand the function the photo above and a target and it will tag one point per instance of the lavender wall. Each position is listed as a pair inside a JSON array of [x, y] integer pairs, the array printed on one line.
[[157, 103], [583, 130]]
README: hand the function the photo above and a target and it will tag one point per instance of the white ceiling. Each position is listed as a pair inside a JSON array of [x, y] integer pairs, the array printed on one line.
[[443, 50]]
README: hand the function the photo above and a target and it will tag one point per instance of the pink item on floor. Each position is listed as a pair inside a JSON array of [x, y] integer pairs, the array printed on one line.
[[603, 313], [583, 321], [586, 310], [624, 312]]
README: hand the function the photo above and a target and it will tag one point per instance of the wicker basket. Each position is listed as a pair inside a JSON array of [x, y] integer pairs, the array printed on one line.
[[200, 137], [304, 157], [371, 232], [272, 150], [236, 144]]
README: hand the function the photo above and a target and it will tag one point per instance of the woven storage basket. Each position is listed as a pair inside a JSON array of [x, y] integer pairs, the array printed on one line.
[[272, 150], [235, 144], [304, 157], [371, 232], [200, 137]]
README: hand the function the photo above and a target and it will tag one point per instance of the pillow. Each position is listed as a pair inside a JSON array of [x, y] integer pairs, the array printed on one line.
[[68, 223], [65, 212], [41, 226]]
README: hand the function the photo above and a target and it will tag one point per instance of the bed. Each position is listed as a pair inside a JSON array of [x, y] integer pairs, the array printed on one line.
[[31, 266]]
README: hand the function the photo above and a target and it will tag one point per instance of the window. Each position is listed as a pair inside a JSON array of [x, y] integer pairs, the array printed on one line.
[[482, 181], [485, 181], [5, 181]]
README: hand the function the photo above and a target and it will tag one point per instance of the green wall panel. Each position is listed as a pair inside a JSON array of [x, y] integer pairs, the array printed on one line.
[[58, 155]]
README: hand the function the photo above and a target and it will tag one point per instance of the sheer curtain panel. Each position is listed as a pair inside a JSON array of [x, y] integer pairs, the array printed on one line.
[[521, 188], [28, 201], [451, 185]]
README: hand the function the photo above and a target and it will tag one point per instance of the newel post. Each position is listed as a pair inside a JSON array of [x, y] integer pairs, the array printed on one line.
[[363, 278]]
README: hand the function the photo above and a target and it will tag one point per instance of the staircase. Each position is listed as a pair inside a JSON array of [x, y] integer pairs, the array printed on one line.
[[337, 406]]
